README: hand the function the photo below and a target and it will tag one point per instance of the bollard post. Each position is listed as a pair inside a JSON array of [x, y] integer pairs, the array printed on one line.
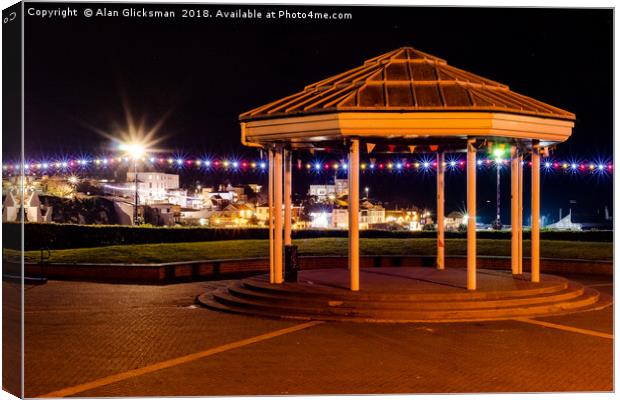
[[291, 263]]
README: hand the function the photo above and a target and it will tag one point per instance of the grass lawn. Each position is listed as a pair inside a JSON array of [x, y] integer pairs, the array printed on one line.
[[170, 252]]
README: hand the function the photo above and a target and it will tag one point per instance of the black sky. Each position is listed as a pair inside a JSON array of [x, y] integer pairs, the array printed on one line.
[[209, 71]]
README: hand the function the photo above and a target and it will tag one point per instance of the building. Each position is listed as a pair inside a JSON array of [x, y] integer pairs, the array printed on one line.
[[233, 215], [411, 219], [164, 214], [262, 216], [34, 211], [369, 215], [191, 216], [224, 195], [324, 193], [177, 197], [455, 220], [153, 188]]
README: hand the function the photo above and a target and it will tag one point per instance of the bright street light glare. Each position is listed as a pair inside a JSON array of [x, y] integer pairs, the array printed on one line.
[[134, 150]]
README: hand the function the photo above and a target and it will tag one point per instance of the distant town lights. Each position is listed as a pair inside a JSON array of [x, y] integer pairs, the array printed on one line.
[[247, 165]]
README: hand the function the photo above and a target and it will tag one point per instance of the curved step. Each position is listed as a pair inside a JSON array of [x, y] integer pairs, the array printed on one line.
[[222, 296], [405, 295], [208, 301], [417, 303], [295, 290]]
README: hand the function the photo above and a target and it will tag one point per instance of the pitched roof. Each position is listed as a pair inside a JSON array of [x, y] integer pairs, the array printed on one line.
[[405, 79]]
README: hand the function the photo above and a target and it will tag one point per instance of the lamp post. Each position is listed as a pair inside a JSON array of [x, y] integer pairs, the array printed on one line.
[[135, 202], [135, 151], [366, 189], [498, 163]]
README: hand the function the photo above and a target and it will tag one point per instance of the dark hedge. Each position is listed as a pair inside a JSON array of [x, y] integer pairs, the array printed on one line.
[[63, 236]]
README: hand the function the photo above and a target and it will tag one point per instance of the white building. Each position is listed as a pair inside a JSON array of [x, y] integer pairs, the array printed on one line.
[[330, 192], [367, 218], [153, 188], [177, 197], [454, 220], [369, 215]]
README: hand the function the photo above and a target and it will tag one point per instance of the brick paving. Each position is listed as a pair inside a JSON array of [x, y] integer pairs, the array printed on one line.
[[78, 332], [11, 337]]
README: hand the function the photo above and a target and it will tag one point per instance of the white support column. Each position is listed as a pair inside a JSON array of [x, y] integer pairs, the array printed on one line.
[[471, 214], [440, 211], [354, 201], [514, 210], [270, 195], [520, 216], [288, 180], [535, 268], [278, 248]]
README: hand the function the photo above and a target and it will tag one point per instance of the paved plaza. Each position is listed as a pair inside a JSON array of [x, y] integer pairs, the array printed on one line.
[[95, 339]]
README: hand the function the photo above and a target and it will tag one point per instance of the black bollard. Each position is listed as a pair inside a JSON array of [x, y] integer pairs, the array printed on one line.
[[291, 263]]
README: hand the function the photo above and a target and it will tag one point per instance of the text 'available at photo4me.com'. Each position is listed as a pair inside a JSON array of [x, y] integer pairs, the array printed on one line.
[[185, 11]]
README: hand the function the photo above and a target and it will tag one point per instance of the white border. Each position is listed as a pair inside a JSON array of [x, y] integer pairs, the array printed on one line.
[[478, 3]]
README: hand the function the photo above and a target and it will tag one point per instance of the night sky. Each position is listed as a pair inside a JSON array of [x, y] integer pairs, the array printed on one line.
[[207, 72]]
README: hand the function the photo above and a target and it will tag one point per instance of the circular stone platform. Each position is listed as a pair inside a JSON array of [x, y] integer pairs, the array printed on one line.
[[405, 295]]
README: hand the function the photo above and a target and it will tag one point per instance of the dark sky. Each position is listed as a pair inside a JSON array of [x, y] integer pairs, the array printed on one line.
[[206, 72]]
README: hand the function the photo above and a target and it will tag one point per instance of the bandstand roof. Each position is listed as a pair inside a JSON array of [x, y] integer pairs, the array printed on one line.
[[408, 95]]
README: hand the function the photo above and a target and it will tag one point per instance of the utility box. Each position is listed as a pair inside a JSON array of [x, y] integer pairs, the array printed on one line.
[[291, 263]]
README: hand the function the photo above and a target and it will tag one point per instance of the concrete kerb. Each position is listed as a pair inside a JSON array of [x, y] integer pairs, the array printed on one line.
[[162, 273]]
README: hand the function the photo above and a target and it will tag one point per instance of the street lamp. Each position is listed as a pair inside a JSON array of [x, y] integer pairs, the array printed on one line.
[[498, 153], [366, 189], [135, 151]]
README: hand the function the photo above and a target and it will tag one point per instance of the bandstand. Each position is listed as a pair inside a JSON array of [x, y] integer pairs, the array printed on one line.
[[406, 101]]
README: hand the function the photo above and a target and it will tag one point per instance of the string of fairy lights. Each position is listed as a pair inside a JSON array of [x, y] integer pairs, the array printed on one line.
[[232, 164]]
